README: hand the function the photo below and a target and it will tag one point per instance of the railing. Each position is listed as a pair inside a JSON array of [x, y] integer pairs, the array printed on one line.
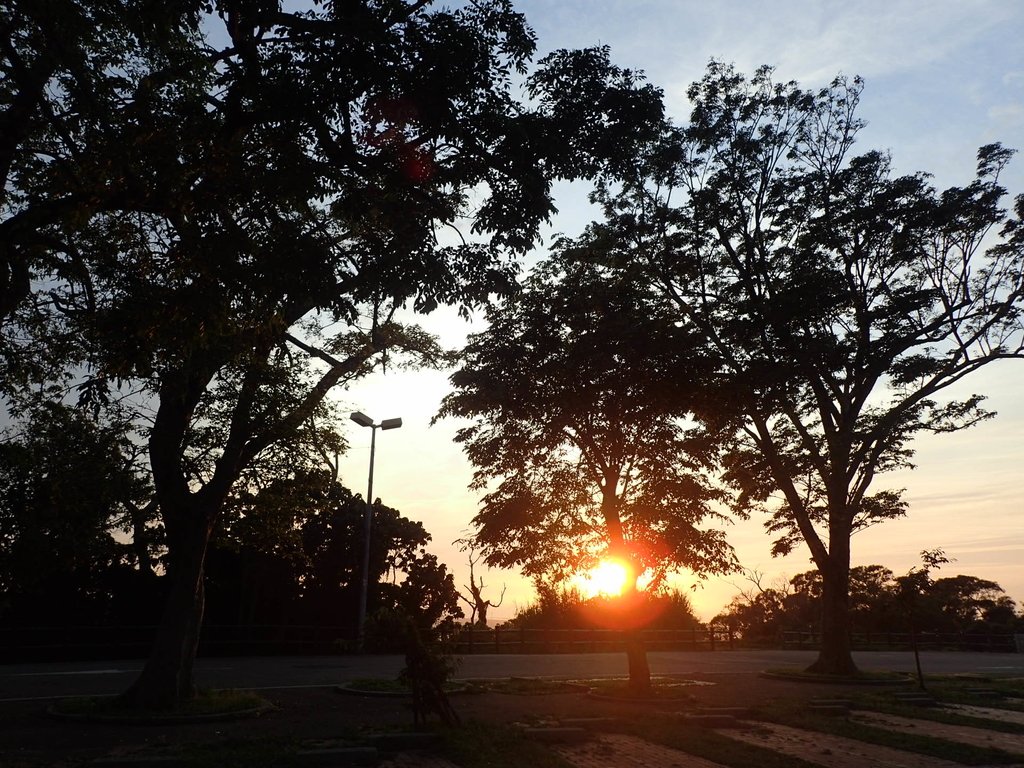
[[996, 642], [520, 640]]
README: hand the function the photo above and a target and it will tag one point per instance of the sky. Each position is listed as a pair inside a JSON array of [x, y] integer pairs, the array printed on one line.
[[942, 78]]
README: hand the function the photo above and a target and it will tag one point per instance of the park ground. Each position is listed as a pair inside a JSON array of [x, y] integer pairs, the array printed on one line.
[[314, 716]]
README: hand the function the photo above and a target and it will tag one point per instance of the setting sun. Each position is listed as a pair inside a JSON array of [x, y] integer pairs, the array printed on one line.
[[609, 578]]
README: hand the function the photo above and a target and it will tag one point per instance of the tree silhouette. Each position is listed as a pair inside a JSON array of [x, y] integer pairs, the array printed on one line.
[[842, 302], [478, 604], [274, 194], [577, 439]]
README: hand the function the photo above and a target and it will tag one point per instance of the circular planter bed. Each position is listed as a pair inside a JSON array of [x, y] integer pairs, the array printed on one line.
[[529, 686], [664, 690]]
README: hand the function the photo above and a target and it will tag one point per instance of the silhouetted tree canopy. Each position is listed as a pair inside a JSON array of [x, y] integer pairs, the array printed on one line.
[[576, 431], [956, 604], [840, 301], [67, 484], [249, 186]]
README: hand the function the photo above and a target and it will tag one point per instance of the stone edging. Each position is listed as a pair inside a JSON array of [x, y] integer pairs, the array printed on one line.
[[350, 691]]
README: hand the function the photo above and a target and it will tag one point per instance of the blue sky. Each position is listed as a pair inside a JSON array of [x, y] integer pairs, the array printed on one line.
[[942, 78]]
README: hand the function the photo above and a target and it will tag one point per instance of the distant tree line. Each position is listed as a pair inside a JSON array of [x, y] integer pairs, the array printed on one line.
[[568, 608], [78, 546], [959, 604]]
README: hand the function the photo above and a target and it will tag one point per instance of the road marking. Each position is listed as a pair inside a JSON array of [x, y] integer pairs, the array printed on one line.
[[74, 672], [64, 696]]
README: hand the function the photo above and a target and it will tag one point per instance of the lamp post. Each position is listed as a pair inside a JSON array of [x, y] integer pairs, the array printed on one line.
[[365, 421]]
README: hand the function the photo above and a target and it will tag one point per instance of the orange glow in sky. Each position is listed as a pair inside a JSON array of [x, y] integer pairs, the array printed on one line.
[[608, 578]]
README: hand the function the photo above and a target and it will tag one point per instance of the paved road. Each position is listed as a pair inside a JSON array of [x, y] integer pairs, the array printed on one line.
[[29, 681]]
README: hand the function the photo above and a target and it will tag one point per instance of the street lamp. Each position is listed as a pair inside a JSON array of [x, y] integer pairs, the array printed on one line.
[[365, 421]]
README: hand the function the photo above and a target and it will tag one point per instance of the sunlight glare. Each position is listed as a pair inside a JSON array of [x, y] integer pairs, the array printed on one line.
[[608, 578]]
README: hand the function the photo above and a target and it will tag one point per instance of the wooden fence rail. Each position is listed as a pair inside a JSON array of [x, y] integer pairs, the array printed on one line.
[[997, 642], [519, 640]]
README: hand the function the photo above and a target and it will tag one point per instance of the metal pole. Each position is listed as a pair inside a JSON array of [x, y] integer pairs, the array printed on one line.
[[367, 525]]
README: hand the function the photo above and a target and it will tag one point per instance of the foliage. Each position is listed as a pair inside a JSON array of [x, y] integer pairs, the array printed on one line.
[[229, 203], [879, 604], [575, 431], [566, 608], [840, 302], [67, 483]]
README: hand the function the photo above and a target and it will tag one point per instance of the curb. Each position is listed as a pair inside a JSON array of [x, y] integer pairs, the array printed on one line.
[[827, 680]]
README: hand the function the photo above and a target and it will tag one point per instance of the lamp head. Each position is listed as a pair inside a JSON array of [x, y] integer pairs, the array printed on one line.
[[391, 423], [361, 419]]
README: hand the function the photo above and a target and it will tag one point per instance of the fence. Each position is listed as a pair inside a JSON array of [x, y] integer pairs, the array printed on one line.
[[519, 640], [932, 641]]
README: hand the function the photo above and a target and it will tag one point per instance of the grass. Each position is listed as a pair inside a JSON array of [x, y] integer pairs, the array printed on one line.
[[662, 688], [879, 703], [955, 690], [708, 744], [206, 702], [258, 753], [526, 686], [795, 715], [478, 745]]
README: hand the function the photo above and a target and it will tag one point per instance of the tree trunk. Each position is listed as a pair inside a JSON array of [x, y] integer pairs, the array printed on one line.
[[835, 655], [166, 680], [639, 669]]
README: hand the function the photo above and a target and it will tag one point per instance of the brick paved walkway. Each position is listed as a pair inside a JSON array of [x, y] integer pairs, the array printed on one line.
[[833, 751], [619, 751], [965, 734]]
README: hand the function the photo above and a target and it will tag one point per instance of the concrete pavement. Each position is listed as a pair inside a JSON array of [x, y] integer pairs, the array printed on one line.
[[56, 679]]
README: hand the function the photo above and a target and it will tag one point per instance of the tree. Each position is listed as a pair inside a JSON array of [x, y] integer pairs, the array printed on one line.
[[966, 601], [842, 302], [478, 604], [65, 483], [577, 426], [283, 186], [67, 67], [910, 588]]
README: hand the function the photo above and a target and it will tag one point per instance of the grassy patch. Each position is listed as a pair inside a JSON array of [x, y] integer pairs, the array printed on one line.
[[478, 745], [709, 744], [662, 688], [527, 686], [206, 702], [258, 753], [879, 703], [793, 714], [956, 690]]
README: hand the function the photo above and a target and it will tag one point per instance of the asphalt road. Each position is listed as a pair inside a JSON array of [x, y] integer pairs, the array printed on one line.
[[49, 680]]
